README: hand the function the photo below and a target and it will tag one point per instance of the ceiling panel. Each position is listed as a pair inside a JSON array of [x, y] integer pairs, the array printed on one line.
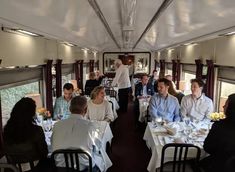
[[188, 19]]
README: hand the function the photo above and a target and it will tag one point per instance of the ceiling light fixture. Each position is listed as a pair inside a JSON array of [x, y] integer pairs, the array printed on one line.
[[19, 31], [68, 44], [85, 49], [228, 34]]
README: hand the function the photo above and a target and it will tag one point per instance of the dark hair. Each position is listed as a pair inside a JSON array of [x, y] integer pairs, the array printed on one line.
[[21, 123], [144, 74], [230, 111], [68, 86], [166, 81], [199, 81], [78, 104]]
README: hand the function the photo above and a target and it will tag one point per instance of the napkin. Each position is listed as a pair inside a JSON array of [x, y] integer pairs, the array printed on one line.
[[171, 131]]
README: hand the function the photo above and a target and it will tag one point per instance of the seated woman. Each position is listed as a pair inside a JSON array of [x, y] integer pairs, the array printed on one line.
[[22, 137], [98, 108], [220, 142], [91, 83], [172, 90]]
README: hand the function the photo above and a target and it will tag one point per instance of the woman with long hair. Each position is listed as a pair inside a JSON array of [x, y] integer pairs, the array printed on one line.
[[22, 136], [98, 108], [220, 142]]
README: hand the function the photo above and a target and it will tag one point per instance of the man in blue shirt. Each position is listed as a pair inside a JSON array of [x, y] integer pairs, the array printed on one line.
[[163, 104], [143, 90], [61, 108]]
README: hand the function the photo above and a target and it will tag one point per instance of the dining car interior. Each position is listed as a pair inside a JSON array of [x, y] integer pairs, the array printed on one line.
[[117, 85]]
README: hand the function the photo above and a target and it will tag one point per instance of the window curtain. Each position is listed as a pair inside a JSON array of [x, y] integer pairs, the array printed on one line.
[[48, 78], [91, 65], [178, 73], [98, 68], [58, 78], [1, 131], [81, 74], [77, 72], [162, 69], [156, 64], [174, 65], [210, 79], [199, 67]]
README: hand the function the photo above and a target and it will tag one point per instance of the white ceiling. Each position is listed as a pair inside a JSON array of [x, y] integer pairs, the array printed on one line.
[[76, 21]]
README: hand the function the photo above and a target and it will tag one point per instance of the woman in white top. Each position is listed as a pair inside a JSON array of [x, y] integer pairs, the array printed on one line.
[[98, 108]]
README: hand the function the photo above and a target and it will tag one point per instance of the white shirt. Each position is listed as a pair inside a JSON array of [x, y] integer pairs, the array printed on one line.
[[122, 77], [74, 132], [197, 109], [100, 112]]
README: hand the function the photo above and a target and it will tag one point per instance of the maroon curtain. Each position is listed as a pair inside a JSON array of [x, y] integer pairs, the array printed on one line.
[[210, 79], [155, 64], [98, 68], [80, 65], [178, 74], [91, 65], [162, 69], [77, 72], [1, 131], [199, 67], [174, 65], [48, 78], [58, 78]]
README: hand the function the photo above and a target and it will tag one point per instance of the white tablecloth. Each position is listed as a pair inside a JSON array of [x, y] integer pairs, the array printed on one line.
[[102, 134], [155, 139], [143, 107]]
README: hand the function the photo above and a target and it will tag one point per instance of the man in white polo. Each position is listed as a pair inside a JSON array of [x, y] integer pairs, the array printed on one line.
[[122, 80]]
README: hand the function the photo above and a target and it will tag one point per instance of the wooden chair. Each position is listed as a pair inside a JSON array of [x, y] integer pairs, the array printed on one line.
[[71, 157], [181, 161], [8, 168]]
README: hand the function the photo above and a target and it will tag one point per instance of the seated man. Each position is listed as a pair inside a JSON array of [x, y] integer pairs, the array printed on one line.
[[163, 105], [196, 105], [143, 89], [61, 108], [74, 132]]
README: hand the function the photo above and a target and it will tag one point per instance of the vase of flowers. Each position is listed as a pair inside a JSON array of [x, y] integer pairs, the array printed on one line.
[[44, 113], [216, 116]]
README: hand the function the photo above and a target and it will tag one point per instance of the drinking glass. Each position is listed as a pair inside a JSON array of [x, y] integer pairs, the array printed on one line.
[[158, 121]]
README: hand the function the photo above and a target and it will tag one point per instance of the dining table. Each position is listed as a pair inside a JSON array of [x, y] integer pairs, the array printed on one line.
[[157, 135], [102, 135]]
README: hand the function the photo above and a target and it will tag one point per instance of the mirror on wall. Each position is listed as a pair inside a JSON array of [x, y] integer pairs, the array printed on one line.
[[139, 61]]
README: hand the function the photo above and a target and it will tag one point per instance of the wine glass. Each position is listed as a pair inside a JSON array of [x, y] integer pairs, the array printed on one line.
[[158, 120]]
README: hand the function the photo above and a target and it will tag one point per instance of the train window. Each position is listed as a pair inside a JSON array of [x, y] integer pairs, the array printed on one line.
[[187, 77], [10, 96], [66, 79], [225, 90], [168, 72]]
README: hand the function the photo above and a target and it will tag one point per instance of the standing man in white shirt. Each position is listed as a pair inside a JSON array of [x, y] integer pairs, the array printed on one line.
[[196, 106], [122, 80]]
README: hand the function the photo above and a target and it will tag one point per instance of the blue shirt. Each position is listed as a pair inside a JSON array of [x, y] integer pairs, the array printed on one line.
[[166, 107], [61, 108]]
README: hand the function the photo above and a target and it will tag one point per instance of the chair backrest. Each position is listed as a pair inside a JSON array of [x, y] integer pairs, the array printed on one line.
[[8, 167], [111, 92], [18, 159], [180, 156], [71, 157]]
